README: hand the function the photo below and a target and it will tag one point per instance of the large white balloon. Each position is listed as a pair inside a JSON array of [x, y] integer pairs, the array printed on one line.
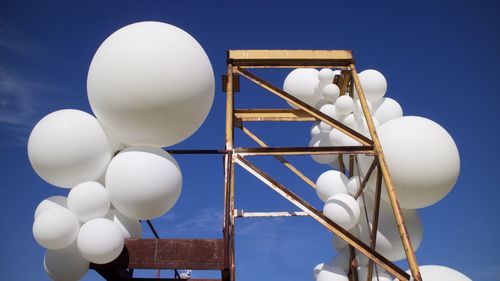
[[343, 209], [50, 203], [317, 269], [388, 238], [88, 200], [68, 147], [344, 105], [56, 228], [330, 273], [65, 264], [151, 83], [131, 228], [422, 157], [439, 273], [302, 83], [387, 109], [143, 182], [100, 240], [373, 83], [329, 183], [330, 92]]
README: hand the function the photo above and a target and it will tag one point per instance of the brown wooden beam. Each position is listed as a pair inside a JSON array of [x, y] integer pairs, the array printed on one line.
[[293, 115], [202, 254], [271, 151], [289, 58]]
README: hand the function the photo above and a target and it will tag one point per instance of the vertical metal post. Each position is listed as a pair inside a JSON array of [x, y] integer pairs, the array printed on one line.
[[410, 255], [229, 181]]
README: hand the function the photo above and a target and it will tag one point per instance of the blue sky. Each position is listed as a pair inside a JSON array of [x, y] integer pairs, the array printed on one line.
[[440, 59]]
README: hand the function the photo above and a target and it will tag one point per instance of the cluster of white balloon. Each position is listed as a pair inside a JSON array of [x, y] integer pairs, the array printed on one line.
[[150, 85], [422, 158]]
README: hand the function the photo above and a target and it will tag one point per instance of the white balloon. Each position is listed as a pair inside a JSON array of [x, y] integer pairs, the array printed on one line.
[[362, 273], [344, 105], [324, 127], [353, 185], [317, 269], [68, 147], [439, 273], [326, 75], [363, 126], [130, 228], [302, 83], [349, 121], [373, 83], [65, 264], [50, 203], [343, 209], [56, 228], [381, 276], [319, 141], [388, 238], [358, 109], [329, 109], [387, 109], [151, 83], [417, 148], [335, 136], [330, 92], [329, 183], [342, 260], [315, 130], [143, 182], [88, 200], [330, 273], [100, 241], [339, 244]]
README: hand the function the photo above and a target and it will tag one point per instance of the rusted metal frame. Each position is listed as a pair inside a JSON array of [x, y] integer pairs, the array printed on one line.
[[279, 158], [317, 215], [152, 228], [374, 225], [398, 215], [279, 65], [243, 214], [228, 273], [365, 179], [309, 109], [346, 77], [353, 266], [236, 83], [256, 115], [341, 163], [271, 151], [289, 58]]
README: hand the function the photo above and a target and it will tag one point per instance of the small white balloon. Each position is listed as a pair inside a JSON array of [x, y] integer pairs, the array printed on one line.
[[151, 83], [344, 105], [50, 203], [100, 241], [88, 200], [329, 183], [373, 83], [302, 83], [68, 147], [131, 228], [143, 182], [353, 185], [335, 136], [330, 92], [381, 276], [322, 140], [320, 103], [56, 228], [343, 209], [349, 121], [329, 109], [342, 260], [66, 264], [324, 127], [315, 130], [387, 109], [326, 75], [317, 269], [358, 109], [330, 273]]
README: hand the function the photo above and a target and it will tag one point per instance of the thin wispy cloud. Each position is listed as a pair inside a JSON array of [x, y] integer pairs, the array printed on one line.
[[16, 99], [209, 221]]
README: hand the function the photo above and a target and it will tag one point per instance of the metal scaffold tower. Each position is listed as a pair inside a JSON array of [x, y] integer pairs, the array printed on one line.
[[218, 254]]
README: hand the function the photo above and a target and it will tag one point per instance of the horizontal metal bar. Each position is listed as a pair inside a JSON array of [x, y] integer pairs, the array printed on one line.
[[197, 151], [270, 58], [243, 214], [296, 115], [323, 150]]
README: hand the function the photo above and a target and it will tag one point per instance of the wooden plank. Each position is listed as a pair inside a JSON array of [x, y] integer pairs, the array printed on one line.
[[294, 115], [325, 221], [290, 58], [202, 254], [302, 105], [243, 214], [382, 165], [322, 150]]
